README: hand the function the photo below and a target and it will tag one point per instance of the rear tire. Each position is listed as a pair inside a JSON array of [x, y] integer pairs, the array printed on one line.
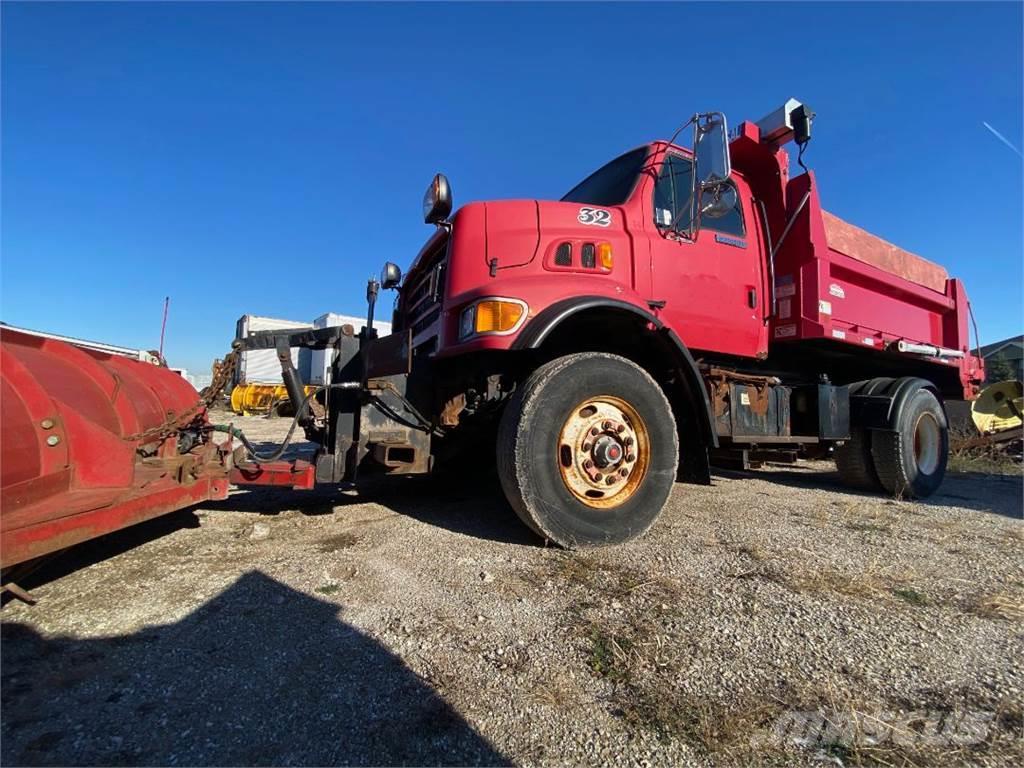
[[855, 463], [587, 450], [911, 459]]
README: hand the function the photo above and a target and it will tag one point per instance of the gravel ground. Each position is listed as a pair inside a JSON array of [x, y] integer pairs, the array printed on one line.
[[772, 617]]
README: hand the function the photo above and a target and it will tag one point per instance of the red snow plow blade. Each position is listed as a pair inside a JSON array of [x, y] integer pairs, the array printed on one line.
[[83, 452]]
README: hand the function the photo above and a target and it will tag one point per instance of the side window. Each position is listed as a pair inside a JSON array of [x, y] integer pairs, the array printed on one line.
[[672, 200], [672, 193]]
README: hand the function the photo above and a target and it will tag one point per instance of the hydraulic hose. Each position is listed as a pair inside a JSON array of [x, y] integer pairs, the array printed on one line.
[[277, 454]]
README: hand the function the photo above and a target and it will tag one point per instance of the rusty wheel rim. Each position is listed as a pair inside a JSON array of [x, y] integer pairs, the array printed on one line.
[[603, 451]]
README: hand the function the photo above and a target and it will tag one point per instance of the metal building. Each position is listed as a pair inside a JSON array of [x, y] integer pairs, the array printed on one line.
[[260, 366], [320, 362]]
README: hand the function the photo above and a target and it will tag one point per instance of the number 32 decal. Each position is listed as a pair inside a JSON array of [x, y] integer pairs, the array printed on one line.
[[597, 217]]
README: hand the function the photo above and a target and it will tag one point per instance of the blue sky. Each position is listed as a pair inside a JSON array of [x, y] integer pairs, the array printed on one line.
[[267, 158]]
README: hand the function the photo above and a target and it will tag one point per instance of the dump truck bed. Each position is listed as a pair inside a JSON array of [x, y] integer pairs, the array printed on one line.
[[836, 281]]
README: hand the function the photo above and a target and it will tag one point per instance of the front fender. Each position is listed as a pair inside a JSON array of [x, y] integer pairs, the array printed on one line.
[[540, 327]]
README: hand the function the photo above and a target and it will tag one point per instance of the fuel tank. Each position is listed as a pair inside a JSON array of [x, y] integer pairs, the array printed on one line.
[[72, 463]]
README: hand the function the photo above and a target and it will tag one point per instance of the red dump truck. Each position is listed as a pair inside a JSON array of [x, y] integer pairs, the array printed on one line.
[[678, 307]]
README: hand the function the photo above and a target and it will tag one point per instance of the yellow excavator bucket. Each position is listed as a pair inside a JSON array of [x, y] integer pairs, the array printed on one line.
[[249, 399], [999, 407]]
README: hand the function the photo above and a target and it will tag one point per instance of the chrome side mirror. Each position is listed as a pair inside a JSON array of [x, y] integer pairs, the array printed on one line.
[[718, 201], [711, 149], [711, 166], [390, 276]]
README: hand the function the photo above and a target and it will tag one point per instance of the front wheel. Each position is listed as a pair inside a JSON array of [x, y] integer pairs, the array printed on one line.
[[587, 450]]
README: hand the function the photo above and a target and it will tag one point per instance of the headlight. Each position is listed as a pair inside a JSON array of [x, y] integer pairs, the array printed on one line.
[[467, 322], [497, 316], [437, 201]]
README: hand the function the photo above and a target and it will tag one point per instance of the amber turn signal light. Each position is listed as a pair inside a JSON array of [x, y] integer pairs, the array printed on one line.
[[496, 315]]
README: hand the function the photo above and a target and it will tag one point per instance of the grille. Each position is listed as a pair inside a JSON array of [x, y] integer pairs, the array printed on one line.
[[422, 297]]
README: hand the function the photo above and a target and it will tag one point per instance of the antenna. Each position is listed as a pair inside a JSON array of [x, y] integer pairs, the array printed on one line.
[[163, 325]]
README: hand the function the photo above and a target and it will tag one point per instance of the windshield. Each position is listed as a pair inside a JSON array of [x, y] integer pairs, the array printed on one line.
[[612, 184]]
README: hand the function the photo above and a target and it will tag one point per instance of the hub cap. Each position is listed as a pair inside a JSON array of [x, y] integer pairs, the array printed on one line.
[[603, 451], [927, 443]]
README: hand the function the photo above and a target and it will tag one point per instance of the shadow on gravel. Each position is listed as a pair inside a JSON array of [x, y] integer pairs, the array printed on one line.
[[58, 564], [473, 506], [259, 675], [996, 494], [470, 503]]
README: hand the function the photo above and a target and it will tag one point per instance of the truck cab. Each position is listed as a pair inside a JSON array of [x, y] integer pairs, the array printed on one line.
[[620, 234]]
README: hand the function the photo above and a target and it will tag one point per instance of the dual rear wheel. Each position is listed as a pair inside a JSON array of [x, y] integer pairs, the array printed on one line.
[[909, 459]]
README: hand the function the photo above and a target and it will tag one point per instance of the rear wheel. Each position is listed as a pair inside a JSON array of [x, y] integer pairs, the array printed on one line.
[[911, 459], [855, 463], [587, 450], [854, 460]]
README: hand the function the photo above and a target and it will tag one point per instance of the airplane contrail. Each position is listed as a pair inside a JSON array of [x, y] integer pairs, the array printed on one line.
[[1002, 138]]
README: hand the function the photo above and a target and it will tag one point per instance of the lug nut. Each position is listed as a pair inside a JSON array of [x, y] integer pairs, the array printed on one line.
[[587, 445], [627, 441], [598, 477], [588, 464], [623, 472], [610, 480], [606, 425], [595, 431], [46, 423], [52, 440], [621, 428]]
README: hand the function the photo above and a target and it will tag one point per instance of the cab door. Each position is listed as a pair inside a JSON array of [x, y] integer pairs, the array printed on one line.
[[710, 290]]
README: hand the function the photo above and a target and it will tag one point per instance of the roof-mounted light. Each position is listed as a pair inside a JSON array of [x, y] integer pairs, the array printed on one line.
[[790, 122]]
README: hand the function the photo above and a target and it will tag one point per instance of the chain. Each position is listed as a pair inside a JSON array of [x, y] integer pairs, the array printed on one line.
[[222, 372]]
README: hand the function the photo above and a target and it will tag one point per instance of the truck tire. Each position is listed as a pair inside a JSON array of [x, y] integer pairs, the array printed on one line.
[[855, 463], [911, 458], [587, 450]]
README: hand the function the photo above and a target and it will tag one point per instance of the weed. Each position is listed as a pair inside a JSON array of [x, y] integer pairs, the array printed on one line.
[[610, 655], [328, 589], [910, 595]]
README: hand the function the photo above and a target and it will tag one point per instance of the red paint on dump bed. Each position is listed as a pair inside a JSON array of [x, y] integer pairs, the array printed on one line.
[[67, 473], [862, 245]]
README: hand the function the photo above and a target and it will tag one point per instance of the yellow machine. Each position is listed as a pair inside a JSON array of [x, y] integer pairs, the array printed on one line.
[[249, 399], [999, 407]]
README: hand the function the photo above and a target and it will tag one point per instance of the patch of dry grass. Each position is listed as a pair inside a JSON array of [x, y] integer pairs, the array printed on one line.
[[803, 577], [602, 580], [554, 691], [336, 542], [829, 724], [999, 605], [995, 459]]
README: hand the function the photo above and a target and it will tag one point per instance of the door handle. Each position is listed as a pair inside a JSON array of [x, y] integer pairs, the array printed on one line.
[[752, 298]]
